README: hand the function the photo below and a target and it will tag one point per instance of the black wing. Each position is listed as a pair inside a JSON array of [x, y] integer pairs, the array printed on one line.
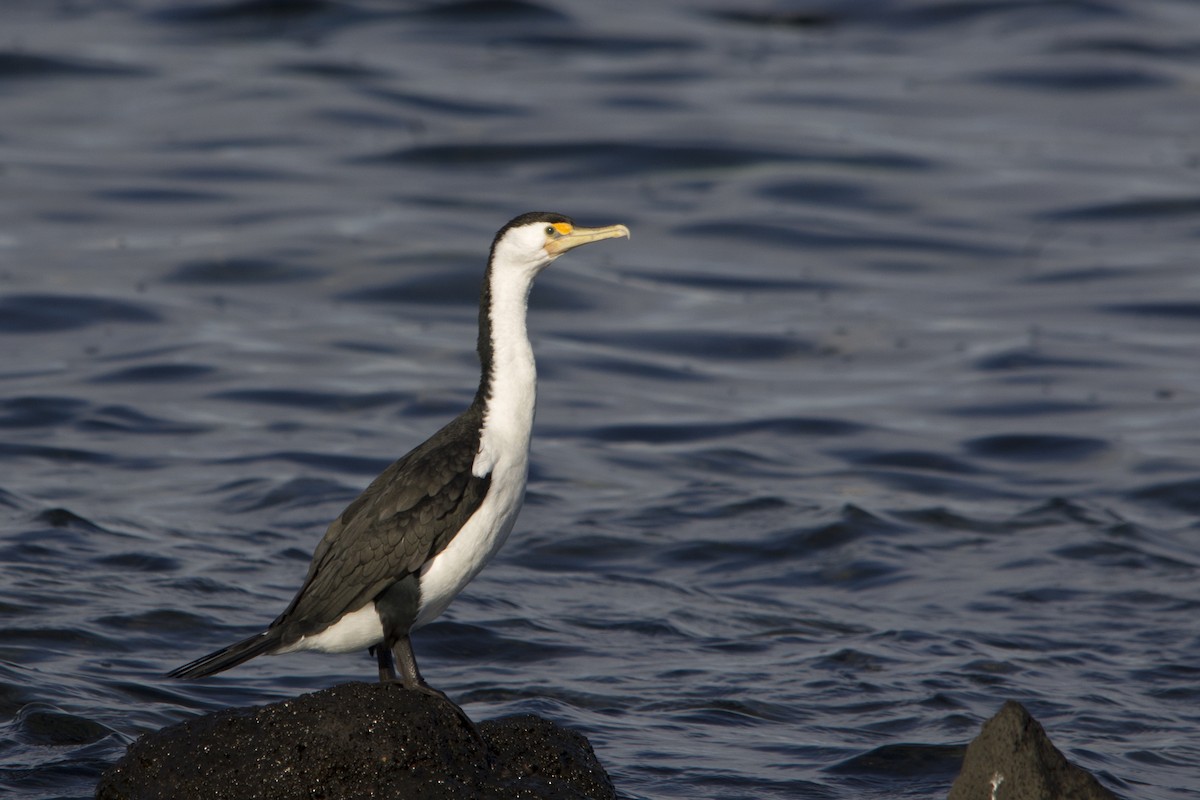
[[407, 515]]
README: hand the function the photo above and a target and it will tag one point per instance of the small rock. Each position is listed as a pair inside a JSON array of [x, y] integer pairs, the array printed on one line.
[[358, 740], [1012, 759]]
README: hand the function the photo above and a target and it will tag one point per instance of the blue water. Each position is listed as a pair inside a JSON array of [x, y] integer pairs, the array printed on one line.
[[886, 414]]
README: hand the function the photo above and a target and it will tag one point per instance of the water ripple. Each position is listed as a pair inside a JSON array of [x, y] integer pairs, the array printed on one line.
[[45, 313], [1090, 79], [1036, 447], [36, 412], [1150, 208], [240, 271], [330, 402], [153, 373], [676, 433], [27, 66], [586, 159], [1171, 309]]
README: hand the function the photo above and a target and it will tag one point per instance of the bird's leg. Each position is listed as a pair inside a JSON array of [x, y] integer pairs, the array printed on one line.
[[383, 655], [410, 676], [404, 657]]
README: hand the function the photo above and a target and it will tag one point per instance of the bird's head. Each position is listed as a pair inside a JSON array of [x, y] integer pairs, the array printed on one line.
[[532, 241]]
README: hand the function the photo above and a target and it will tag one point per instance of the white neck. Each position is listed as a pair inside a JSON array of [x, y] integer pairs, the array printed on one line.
[[508, 413]]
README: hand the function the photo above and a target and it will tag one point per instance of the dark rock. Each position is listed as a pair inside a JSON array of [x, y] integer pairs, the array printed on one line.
[[358, 740], [1012, 759]]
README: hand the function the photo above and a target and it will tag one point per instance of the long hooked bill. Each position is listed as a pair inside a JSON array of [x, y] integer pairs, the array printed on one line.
[[578, 236]]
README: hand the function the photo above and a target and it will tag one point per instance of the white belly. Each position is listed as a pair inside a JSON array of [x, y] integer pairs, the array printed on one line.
[[357, 630], [445, 575]]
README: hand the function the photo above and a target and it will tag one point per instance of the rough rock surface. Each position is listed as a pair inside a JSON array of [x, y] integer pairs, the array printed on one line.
[[358, 740], [1012, 759]]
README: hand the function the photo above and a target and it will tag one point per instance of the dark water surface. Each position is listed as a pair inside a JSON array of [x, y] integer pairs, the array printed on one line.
[[887, 413]]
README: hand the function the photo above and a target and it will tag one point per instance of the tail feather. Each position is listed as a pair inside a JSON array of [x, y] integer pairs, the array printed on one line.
[[231, 656]]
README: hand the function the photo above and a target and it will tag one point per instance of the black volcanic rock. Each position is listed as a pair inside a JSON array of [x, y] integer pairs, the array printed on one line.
[[358, 740], [1012, 759]]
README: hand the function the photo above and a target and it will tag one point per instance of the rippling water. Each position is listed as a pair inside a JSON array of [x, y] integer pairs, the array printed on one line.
[[886, 414]]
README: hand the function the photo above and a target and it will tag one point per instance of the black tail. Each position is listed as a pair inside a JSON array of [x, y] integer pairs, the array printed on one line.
[[230, 656]]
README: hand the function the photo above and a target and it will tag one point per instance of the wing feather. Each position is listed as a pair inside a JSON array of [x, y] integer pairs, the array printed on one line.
[[407, 515]]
